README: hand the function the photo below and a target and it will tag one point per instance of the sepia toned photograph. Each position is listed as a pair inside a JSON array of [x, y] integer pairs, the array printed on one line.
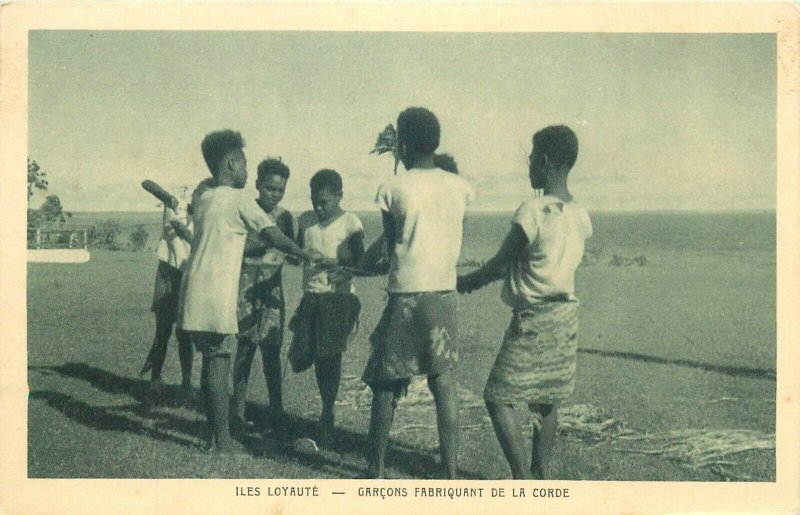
[[293, 255], [653, 224]]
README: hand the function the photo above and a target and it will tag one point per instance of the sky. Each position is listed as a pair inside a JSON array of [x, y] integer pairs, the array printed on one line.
[[664, 121]]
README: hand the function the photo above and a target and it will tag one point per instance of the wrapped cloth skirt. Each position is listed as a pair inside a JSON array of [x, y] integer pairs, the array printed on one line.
[[417, 335], [537, 360]]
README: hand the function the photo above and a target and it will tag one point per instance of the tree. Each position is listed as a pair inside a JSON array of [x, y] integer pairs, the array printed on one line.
[[387, 142], [51, 209], [105, 235], [36, 178]]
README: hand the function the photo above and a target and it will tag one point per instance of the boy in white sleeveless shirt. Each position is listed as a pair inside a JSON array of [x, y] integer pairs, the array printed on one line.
[[329, 309], [423, 213]]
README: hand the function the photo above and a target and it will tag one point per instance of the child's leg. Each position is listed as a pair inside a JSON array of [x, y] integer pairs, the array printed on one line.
[[544, 439], [206, 394], [217, 380], [158, 351], [384, 402], [214, 383], [329, 373], [242, 363], [509, 434], [271, 361], [186, 356], [446, 398]]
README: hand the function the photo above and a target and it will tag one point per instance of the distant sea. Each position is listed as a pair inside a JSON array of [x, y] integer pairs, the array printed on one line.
[[484, 231]]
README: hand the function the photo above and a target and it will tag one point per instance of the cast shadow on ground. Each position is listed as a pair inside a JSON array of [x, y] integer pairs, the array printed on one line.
[[345, 460], [138, 389], [408, 460], [164, 427], [750, 373]]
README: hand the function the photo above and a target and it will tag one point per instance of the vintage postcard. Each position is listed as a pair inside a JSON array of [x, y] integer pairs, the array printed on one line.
[[359, 257]]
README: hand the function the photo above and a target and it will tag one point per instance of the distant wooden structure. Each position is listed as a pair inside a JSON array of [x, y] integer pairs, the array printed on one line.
[[56, 245]]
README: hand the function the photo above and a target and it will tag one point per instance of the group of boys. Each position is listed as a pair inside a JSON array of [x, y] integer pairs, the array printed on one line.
[[231, 285]]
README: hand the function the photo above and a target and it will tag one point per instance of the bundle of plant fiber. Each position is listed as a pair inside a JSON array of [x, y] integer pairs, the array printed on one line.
[[698, 448], [353, 392], [419, 396], [587, 423]]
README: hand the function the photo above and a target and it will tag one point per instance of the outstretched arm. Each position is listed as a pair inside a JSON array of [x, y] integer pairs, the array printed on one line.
[[377, 259], [390, 233], [286, 223], [374, 261], [353, 266], [275, 237], [356, 243], [516, 241], [182, 230]]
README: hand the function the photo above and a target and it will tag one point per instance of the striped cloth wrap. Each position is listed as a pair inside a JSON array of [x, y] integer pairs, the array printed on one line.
[[536, 362]]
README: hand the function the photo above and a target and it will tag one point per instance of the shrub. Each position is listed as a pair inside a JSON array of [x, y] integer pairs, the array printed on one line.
[[139, 238], [617, 260], [591, 257], [35, 218], [51, 209], [105, 235]]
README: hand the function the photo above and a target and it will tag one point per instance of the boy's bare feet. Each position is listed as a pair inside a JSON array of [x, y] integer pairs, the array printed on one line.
[[325, 431], [147, 367], [241, 426], [187, 395], [155, 392], [325, 437], [278, 419], [233, 448]]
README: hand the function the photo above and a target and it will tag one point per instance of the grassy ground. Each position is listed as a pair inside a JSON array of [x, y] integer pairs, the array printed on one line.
[[686, 342]]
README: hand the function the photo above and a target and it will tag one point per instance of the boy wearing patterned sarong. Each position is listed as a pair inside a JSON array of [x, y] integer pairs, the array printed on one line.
[[538, 259], [261, 308], [423, 212]]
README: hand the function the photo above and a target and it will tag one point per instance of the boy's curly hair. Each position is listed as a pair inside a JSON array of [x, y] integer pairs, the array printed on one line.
[[272, 166], [558, 143], [216, 145], [419, 129], [326, 179]]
